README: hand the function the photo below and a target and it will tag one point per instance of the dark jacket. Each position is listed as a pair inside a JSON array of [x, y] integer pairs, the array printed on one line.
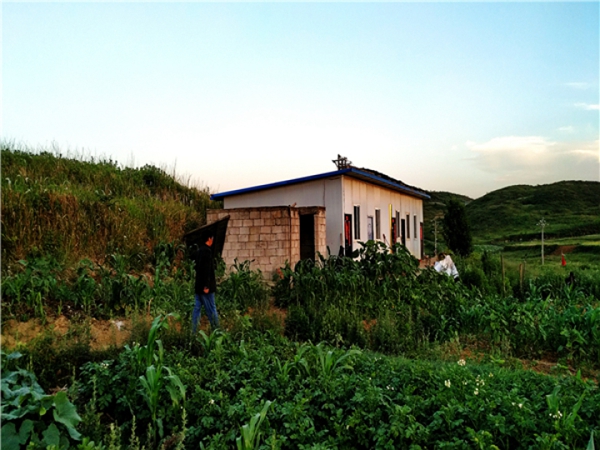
[[205, 270]]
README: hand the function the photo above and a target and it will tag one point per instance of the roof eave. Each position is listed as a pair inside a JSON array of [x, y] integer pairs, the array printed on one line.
[[264, 187]]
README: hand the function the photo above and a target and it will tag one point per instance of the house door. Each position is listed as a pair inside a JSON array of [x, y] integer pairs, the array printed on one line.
[[403, 230], [348, 234], [307, 236]]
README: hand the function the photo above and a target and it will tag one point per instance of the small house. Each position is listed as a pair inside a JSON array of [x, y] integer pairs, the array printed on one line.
[[328, 212]]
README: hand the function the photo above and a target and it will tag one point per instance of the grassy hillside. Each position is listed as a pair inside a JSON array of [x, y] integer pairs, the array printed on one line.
[[570, 208], [72, 209]]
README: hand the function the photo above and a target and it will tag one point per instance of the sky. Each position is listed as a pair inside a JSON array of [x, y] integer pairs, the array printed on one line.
[[449, 96]]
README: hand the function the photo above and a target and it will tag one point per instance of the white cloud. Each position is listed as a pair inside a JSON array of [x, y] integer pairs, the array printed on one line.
[[587, 150], [567, 129], [578, 85], [588, 106], [536, 159], [509, 151]]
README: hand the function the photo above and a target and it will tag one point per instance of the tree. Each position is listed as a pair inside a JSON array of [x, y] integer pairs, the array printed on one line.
[[456, 231]]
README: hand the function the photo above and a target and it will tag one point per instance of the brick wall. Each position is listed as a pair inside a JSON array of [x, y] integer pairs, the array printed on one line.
[[267, 236]]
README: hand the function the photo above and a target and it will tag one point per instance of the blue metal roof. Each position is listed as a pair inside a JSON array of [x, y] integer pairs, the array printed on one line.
[[351, 171]]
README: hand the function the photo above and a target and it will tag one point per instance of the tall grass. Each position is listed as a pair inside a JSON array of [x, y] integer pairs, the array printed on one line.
[[74, 209]]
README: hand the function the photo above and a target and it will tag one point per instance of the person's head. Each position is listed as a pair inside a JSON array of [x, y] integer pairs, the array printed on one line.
[[441, 256], [209, 241]]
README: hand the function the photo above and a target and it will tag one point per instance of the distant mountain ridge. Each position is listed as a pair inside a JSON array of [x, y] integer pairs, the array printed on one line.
[[570, 208]]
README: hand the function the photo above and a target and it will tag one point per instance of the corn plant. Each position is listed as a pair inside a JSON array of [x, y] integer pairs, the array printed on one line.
[[157, 376], [251, 433], [328, 363], [211, 342], [297, 364], [591, 445]]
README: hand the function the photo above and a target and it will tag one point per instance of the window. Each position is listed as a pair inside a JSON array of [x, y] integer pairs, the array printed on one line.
[[408, 226], [415, 226], [357, 222], [370, 228], [378, 224]]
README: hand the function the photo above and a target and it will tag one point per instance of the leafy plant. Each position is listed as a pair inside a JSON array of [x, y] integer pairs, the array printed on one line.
[[26, 418]]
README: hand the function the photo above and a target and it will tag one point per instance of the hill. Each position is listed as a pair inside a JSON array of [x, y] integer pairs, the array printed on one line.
[[72, 209], [570, 208]]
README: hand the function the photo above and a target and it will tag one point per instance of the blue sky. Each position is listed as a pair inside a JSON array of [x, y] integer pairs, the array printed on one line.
[[460, 97]]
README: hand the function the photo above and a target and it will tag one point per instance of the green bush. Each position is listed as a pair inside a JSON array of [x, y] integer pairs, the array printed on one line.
[[32, 418]]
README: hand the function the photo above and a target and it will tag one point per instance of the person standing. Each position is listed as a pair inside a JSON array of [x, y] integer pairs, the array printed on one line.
[[205, 286]]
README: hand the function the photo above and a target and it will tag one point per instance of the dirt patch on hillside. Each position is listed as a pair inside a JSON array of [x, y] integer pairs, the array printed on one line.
[[564, 249], [101, 334]]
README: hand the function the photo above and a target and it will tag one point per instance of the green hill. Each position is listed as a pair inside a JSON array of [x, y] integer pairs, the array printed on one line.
[[570, 208], [72, 209]]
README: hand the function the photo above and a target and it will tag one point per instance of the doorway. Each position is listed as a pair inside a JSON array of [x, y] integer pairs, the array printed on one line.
[[307, 236]]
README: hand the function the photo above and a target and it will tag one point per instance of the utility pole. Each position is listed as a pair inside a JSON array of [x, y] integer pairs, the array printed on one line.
[[435, 219], [435, 233], [542, 223]]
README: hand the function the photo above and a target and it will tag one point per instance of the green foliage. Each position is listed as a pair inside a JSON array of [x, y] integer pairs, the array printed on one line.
[[383, 302], [242, 288], [434, 209], [380, 300], [139, 377], [31, 417], [564, 321], [157, 376], [98, 290], [362, 399], [456, 229], [28, 286]]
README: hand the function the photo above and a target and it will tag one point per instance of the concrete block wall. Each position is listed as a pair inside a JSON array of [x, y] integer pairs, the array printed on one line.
[[320, 233], [267, 236], [320, 229]]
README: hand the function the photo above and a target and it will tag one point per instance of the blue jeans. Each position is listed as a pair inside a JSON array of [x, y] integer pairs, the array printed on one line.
[[208, 301]]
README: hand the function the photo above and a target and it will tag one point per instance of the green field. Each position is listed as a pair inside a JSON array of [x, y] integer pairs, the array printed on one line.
[[341, 353]]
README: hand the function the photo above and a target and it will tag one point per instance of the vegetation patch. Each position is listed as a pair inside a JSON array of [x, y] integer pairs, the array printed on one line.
[[349, 353]]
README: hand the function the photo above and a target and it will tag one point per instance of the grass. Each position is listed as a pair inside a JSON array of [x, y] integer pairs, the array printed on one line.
[[73, 209], [569, 207]]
